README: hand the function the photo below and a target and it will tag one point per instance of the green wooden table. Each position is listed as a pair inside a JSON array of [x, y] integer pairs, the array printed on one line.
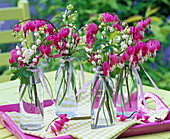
[[9, 95]]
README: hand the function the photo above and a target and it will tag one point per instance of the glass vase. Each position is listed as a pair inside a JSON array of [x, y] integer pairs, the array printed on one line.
[[103, 112], [66, 84], [31, 103], [126, 95]]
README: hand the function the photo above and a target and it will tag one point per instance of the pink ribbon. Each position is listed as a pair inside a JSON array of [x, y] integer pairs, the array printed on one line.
[[40, 73], [141, 87], [70, 73], [149, 78]]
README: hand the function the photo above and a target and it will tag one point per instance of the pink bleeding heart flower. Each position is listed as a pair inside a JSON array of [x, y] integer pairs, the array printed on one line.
[[62, 116], [60, 122], [93, 27], [157, 43], [58, 126], [137, 116], [138, 47], [32, 26], [108, 17], [122, 59], [126, 56], [145, 23], [65, 119], [121, 117], [151, 46], [116, 18], [149, 20], [42, 22], [14, 55], [53, 130], [45, 50], [17, 27], [106, 68], [65, 32], [49, 29], [131, 30], [114, 59], [38, 24], [78, 39], [140, 26], [25, 29], [130, 50], [74, 36], [119, 27], [57, 55], [38, 59], [145, 119]]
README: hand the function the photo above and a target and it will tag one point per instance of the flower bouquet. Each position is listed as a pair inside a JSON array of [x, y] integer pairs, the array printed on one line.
[[24, 60], [118, 49]]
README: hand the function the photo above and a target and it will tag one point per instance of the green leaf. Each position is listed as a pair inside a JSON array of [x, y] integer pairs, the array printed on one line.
[[133, 18], [24, 80], [27, 73], [150, 12], [116, 71]]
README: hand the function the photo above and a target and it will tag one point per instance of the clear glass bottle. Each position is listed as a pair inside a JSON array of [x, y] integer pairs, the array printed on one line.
[[66, 100], [126, 98], [31, 103], [103, 112]]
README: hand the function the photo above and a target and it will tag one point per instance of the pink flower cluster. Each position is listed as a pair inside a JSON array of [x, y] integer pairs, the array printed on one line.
[[60, 41], [137, 116], [92, 30], [137, 31], [33, 26], [109, 18], [108, 66], [17, 57], [136, 53], [14, 56], [58, 125], [141, 117]]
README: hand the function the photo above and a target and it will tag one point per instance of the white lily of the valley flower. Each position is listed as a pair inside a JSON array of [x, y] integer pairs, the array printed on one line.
[[94, 63], [36, 34], [38, 41], [34, 47], [21, 39], [130, 42], [103, 32], [115, 49], [25, 61], [120, 65], [125, 36], [99, 61], [18, 52], [117, 38], [65, 52], [23, 43], [34, 60], [62, 60], [99, 51], [17, 47], [103, 46], [19, 58]]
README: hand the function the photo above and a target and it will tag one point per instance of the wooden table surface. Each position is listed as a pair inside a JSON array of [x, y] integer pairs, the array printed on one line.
[[9, 95]]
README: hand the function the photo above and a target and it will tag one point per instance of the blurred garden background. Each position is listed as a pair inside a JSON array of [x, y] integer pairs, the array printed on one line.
[[127, 10]]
